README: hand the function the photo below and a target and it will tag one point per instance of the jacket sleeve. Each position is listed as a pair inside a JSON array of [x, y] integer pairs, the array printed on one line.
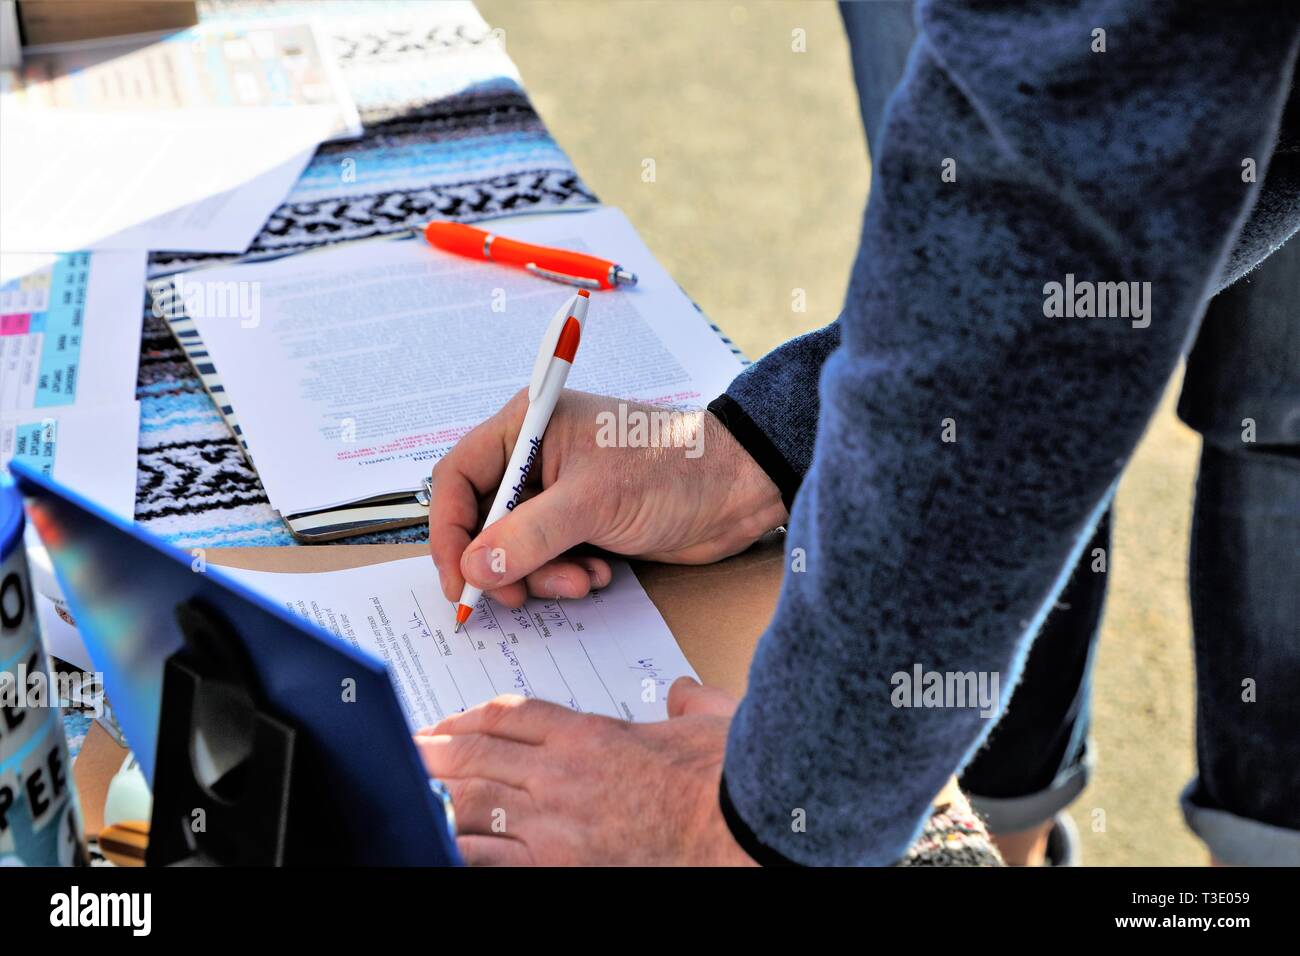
[[771, 407], [1008, 331]]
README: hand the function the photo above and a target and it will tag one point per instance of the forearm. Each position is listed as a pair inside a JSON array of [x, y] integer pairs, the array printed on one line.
[[966, 440]]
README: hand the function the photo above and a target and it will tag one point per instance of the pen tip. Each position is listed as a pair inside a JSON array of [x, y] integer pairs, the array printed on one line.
[[463, 611]]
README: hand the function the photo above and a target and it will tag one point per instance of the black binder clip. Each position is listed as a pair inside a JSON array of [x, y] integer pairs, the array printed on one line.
[[224, 784]]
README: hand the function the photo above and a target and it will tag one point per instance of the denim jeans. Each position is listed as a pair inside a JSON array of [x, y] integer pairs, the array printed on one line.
[[1242, 393]]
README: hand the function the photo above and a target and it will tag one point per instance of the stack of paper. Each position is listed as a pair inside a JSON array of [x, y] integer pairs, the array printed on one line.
[[187, 143], [112, 149], [197, 138]]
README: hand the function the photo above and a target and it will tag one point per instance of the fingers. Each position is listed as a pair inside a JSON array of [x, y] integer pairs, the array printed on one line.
[[447, 545], [572, 576], [493, 851], [487, 807], [536, 531], [510, 717], [477, 755], [470, 472], [688, 698]]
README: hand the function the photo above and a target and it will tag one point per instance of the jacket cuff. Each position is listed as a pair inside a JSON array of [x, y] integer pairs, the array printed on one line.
[[759, 852], [755, 441]]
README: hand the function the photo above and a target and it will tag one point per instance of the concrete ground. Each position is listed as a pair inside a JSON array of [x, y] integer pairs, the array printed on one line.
[[760, 178]]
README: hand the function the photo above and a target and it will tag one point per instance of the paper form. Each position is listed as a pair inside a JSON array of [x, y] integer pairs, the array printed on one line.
[[365, 363], [69, 329], [609, 653]]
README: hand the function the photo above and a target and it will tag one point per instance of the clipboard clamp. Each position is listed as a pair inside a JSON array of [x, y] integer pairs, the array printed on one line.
[[424, 494], [382, 513]]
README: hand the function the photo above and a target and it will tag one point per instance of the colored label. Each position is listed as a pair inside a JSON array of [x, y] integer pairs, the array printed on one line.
[[15, 324], [61, 327], [34, 445]]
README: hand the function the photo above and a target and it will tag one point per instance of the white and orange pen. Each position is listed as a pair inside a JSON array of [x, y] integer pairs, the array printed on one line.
[[554, 359]]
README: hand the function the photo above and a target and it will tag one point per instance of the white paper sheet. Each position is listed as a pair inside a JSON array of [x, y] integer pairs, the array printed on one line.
[[69, 329], [352, 370], [94, 450], [225, 222], [61, 639], [610, 653], [74, 180], [188, 142]]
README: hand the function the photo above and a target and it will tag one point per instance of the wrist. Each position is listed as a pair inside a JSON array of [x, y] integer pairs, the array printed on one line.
[[754, 502], [760, 448], [715, 843]]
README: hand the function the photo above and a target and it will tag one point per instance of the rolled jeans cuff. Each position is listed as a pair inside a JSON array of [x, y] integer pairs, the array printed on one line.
[[1239, 841], [1013, 814]]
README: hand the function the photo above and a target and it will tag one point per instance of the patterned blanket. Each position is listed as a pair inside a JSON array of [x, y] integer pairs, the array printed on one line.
[[449, 133]]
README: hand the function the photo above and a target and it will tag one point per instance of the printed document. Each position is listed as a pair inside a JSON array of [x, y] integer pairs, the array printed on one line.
[[69, 329], [354, 369]]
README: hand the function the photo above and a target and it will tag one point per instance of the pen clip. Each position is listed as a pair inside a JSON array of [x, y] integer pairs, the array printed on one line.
[[580, 281]]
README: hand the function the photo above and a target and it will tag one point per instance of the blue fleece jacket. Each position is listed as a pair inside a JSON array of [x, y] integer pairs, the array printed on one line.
[[950, 441]]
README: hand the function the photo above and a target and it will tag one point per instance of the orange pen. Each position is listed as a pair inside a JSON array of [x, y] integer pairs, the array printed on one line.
[[558, 265]]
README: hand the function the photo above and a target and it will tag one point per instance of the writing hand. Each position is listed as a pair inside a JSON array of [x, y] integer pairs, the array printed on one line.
[[659, 503]]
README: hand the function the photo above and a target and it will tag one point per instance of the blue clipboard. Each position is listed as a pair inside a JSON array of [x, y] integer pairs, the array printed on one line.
[[123, 586]]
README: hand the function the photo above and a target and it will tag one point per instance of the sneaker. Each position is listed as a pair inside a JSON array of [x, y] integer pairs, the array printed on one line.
[[1063, 842]]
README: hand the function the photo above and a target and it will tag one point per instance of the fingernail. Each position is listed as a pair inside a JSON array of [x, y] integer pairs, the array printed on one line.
[[478, 569], [552, 585]]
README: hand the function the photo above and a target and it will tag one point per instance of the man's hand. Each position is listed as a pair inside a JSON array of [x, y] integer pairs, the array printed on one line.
[[536, 783], [658, 503]]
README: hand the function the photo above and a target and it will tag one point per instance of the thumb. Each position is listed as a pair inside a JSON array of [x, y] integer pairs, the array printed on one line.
[[536, 531], [688, 697]]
